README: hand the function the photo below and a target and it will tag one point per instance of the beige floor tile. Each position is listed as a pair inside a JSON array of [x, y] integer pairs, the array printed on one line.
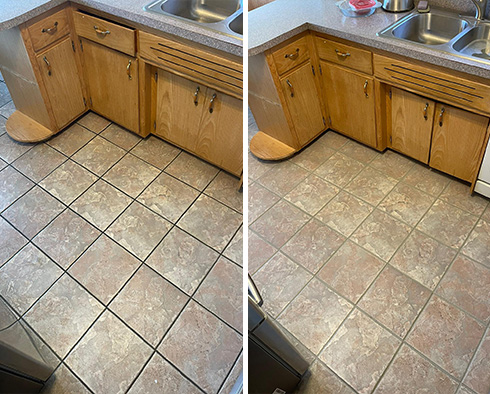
[[38, 162], [199, 336], [259, 252], [313, 156], [478, 244], [447, 224], [3, 130], [271, 279], [60, 183], [64, 382], [381, 234], [168, 197], [458, 194], [259, 200], [423, 259], [407, 204], [131, 175], [395, 300], [159, 376], [11, 241], [149, 304], [109, 356], [220, 294], [371, 185], [98, 155], [30, 213], [26, 277], [101, 204], [344, 213], [283, 177], [12, 185], [464, 390], [350, 271], [211, 222], [8, 109], [224, 188], [104, 268], [313, 245], [156, 152], [467, 285], [360, 351], [280, 223], [71, 139], [339, 169], [257, 168], [63, 314], [120, 136], [486, 214], [312, 194], [232, 377], [392, 164], [447, 336], [139, 230], [320, 379], [411, 373], [426, 179], [314, 315], [11, 150], [2, 164], [359, 152], [93, 122], [191, 170], [66, 238], [234, 250], [183, 260], [478, 376]]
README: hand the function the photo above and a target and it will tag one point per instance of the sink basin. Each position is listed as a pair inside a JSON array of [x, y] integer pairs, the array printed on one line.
[[430, 29], [236, 24], [475, 43], [202, 11]]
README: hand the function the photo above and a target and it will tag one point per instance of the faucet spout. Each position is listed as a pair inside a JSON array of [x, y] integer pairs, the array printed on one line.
[[481, 6]]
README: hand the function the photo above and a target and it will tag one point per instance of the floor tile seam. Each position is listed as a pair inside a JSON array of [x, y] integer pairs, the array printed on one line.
[[23, 153], [74, 374], [89, 111], [230, 371], [120, 147], [268, 243], [222, 203], [23, 194], [318, 360]]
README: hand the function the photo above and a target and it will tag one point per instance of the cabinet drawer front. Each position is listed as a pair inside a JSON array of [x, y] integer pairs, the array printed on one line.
[[345, 55], [291, 55], [105, 33], [440, 85], [49, 30], [203, 66]]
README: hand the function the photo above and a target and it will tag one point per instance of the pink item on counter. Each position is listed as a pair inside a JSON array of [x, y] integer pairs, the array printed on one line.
[[361, 4]]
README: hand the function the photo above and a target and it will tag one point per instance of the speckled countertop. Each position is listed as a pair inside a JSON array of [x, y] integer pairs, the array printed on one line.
[[277, 21], [13, 13]]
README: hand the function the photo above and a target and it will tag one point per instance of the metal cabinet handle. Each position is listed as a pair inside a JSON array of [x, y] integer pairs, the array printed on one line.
[[51, 29], [211, 103], [99, 31], [425, 110], [290, 87], [441, 116], [365, 88], [47, 64], [128, 69], [292, 56], [196, 102], [342, 54]]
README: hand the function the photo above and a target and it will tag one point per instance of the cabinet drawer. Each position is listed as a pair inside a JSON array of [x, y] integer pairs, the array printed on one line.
[[105, 33], [49, 30], [345, 55], [291, 55]]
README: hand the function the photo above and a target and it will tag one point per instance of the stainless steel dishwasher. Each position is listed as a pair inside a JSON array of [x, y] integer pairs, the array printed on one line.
[[274, 365]]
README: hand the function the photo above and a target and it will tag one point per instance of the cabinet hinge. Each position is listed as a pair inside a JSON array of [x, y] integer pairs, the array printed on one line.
[[330, 121], [389, 93], [73, 45], [391, 139], [81, 45], [324, 121], [320, 67], [313, 69], [91, 101], [84, 102], [156, 76], [155, 125]]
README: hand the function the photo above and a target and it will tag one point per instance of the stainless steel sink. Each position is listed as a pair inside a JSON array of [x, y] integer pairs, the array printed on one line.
[[443, 31], [430, 29], [224, 16]]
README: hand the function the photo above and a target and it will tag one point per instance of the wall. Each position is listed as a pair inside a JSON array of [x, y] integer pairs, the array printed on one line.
[[464, 6]]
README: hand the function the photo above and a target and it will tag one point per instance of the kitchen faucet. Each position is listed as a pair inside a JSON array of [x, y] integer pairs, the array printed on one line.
[[481, 7]]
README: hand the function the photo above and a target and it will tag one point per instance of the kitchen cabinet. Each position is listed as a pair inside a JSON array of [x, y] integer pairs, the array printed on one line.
[[411, 124], [62, 82]]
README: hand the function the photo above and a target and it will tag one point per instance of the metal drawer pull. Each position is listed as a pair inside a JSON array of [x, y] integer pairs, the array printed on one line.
[[292, 56], [365, 88], [342, 54], [425, 110], [51, 29], [211, 104], [441, 115], [290, 87], [99, 31], [128, 69], [196, 102], [47, 64]]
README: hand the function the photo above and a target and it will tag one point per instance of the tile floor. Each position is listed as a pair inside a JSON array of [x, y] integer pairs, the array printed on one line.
[[124, 255], [376, 267]]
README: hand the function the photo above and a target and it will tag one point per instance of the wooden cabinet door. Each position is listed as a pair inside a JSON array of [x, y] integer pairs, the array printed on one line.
[[457, 140], [60, 76], [220, 138], [112, 79], [179, 107], [351, 104], [303, 101], [412, 117]]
